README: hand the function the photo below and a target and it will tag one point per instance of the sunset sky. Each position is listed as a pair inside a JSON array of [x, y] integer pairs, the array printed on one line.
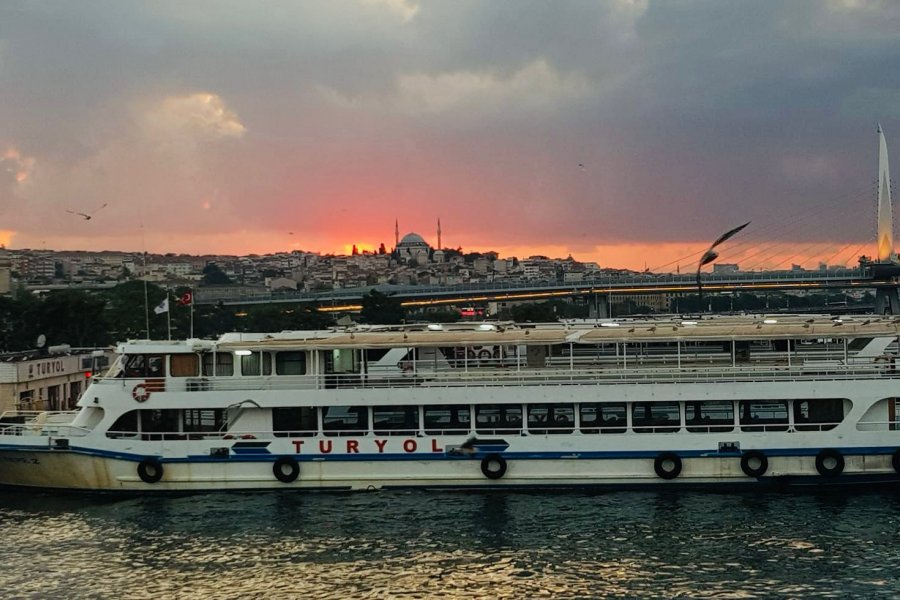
[[627, 132]]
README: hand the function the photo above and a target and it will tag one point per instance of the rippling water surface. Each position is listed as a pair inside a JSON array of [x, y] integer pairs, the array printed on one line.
[[451, 545]]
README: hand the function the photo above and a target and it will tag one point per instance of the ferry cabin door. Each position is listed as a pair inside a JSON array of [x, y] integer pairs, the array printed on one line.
[[342, 367]]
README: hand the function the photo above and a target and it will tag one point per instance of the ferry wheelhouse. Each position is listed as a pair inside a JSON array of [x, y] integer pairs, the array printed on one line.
[[789, 400]]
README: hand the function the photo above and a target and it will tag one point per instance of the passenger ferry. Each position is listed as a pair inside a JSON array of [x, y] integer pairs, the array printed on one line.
[[727, 401]]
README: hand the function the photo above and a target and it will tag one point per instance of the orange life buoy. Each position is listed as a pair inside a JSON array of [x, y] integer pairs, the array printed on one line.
[[140, 393], [248, 436]]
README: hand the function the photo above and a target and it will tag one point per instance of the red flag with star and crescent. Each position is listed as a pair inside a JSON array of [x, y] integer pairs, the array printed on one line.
[[186, 298]]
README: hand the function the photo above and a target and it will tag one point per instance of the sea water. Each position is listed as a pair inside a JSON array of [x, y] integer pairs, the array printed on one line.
[[451, 545]]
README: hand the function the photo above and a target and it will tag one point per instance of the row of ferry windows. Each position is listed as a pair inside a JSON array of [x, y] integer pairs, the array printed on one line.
[[646, 417], [221, 364], [559, 418]]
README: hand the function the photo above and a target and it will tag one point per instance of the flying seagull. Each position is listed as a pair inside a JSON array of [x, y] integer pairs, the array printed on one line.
[[87, 216]]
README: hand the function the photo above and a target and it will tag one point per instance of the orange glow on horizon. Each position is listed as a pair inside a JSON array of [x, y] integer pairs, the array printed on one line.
[[348, 248], [662, 257]]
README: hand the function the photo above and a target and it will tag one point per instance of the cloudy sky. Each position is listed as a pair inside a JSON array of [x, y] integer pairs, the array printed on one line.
[[630, 132]]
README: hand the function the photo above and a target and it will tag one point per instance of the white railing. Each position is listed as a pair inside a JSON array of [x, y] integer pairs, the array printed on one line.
[[33, 422], [825, 371]]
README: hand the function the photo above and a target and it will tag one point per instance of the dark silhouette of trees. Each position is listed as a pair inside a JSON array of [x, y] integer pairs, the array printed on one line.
[[381, 309], [213, 275]]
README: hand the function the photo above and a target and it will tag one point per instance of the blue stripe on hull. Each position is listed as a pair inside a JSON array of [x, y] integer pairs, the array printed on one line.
[[401, 456]]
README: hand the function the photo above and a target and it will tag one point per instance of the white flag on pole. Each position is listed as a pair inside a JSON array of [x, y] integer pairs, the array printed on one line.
[[162, 307]]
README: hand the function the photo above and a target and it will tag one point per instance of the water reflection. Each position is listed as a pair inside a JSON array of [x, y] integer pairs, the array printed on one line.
[[451, 545]]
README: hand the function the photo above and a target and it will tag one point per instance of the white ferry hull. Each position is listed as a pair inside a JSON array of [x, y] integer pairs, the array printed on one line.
[[77, 471]]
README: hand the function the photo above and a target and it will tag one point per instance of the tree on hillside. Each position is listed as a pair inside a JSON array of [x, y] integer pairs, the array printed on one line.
[[213, 275], [381, 309], [127, 311]]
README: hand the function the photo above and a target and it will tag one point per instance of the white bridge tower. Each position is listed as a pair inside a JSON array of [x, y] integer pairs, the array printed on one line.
[[885, 211], [885, 269]]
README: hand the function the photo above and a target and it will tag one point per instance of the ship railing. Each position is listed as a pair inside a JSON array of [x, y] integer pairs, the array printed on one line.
[[38, 422], [21, 422], [819, 371]]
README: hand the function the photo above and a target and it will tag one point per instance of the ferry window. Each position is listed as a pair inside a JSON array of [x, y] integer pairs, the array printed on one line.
[[655, 417], [158, 422], [498, 418], [818, 415], [125, 426], [296, 422], [196, 420], [551, 418], [708, 417], [134, 366], [185, 365], [447, 418], [141, 365], [395, 420], [603, 417], [345, 420], [258, 363], [223, 361], [763, 415], [290, 363]]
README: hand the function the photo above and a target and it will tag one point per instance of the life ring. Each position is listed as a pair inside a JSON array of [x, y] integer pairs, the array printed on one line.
[[485, 355], [754, 463], [150, 470], [140, 392], [895, 460], [829, 463], [286, 469], [667, 465], [248, 436], [493, 466]]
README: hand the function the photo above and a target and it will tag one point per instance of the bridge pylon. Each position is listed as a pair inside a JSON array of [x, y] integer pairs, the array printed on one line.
[[886, 268]]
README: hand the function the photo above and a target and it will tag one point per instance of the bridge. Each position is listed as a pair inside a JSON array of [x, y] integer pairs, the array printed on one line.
[[343, 300], [880, 276]]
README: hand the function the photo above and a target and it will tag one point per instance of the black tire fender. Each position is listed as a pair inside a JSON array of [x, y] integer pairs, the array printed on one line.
[[493, 466], [895, 460], [663, 468], [751, 456], [150, 470], [829, 471], [286, 469]]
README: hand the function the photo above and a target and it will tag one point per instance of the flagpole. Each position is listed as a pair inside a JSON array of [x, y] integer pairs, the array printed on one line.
[[192, 312], [168, 315]]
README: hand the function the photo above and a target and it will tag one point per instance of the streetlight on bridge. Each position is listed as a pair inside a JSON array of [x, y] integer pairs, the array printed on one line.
[[711, 255]]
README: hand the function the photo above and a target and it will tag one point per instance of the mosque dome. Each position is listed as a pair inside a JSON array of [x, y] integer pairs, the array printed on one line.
[[412, 241]]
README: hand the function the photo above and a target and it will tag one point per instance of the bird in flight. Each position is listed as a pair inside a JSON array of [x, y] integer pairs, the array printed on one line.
[[581, 166], [87, 216]]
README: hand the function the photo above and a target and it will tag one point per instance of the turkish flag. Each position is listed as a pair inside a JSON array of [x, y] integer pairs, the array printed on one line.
[[186, 298]]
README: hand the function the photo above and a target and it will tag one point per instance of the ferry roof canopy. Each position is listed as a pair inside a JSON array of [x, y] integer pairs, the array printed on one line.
[[602, 332]]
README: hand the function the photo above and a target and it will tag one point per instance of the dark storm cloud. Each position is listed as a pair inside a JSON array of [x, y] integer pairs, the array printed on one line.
[[688, 117]]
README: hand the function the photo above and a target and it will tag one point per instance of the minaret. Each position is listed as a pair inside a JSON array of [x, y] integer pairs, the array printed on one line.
[[396, 233], [885, 242], [439, 247]]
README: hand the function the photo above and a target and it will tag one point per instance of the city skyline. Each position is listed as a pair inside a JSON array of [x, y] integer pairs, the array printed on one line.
[[626, 133]]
